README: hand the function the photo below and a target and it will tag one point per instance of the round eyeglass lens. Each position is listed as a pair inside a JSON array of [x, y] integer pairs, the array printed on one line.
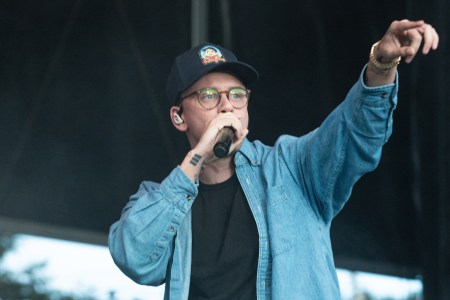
[[209, 97]]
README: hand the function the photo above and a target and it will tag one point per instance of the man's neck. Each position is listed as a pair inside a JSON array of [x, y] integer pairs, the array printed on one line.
[[218, 171]]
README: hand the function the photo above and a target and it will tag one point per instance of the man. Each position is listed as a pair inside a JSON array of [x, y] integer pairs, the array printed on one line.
[[255, 224]]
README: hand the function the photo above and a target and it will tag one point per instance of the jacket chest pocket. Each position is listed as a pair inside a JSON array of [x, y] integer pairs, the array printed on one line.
[[286, 215]]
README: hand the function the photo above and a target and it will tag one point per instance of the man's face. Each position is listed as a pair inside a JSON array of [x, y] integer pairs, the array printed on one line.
[[197, 118]]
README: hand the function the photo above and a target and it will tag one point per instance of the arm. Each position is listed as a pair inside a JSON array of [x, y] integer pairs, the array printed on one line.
[[348, 144], [141, 242]]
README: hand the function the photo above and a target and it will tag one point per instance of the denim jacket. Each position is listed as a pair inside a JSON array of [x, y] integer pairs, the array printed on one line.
[[294, 190]]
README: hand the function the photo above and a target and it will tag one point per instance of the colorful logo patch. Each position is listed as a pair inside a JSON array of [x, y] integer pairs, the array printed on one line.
[[210, 54]]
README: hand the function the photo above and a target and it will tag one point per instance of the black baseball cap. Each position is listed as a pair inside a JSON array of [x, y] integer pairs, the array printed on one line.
[[200, 60]]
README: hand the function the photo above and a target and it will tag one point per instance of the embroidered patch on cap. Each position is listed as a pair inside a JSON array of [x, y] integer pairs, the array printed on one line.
[[210, 54]]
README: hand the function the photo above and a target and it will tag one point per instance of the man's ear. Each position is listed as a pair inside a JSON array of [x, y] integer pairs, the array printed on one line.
[[177, 120]]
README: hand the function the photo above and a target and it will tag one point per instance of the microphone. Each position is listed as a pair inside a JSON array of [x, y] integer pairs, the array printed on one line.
[[223, 142]]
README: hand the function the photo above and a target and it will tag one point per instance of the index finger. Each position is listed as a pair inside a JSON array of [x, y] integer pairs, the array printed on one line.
[[401, 26]]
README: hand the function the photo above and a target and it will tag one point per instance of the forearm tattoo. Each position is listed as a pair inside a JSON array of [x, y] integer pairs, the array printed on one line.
[[195, 159]]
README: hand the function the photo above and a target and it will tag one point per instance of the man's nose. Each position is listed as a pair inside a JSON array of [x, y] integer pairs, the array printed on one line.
[[225, 103]]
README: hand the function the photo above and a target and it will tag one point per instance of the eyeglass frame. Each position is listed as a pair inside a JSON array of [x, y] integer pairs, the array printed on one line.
[[227, 93]]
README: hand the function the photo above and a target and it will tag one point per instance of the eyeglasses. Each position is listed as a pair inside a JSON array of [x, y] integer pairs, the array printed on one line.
[[209, 97]]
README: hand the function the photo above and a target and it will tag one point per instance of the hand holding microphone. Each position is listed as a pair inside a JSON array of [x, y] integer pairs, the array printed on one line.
[[224, 134]]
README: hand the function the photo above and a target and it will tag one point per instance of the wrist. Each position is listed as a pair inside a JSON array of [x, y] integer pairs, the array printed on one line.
[[193, 164], [196, 158], [378, 62]]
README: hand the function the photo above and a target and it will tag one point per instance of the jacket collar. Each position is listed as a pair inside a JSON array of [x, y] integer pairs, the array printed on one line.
[[247, 154]]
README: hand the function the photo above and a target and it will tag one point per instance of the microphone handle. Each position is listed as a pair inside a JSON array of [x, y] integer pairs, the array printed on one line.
[[224, 140]]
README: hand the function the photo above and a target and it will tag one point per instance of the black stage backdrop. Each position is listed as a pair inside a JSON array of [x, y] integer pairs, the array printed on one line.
[[83, 115]]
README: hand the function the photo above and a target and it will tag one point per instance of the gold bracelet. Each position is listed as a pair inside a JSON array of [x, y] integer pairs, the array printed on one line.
[[382, 66]]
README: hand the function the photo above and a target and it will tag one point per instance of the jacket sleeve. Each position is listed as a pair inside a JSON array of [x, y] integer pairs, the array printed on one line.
[[141, 242], [346, 145]]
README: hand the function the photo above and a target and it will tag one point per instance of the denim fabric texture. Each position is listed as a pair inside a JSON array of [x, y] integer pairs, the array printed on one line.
[[294, 190]]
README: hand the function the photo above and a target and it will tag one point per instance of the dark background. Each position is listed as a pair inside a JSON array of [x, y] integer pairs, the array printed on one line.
[[84, 117]]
